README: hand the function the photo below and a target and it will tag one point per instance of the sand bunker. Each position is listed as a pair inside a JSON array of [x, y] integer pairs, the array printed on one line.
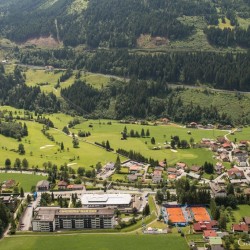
[[71, 164], [47, 146], [175, 151]]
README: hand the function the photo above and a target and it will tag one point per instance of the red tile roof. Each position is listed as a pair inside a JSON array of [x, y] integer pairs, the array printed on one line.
[[240, 227], [209, 233]]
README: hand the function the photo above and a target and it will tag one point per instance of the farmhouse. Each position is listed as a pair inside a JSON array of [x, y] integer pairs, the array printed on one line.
[[107, 200], [48, 219]]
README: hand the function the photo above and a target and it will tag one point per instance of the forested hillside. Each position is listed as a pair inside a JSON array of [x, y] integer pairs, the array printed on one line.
[[222, 71], [150, 100], [14, 92], [119, 24]]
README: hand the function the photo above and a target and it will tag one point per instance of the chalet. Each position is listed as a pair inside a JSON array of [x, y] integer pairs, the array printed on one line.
[[227, 145], [42, 185], [221, 139], [235, 173], [195, 169], [172, 171], [202, 226], [209, 233], [62, 185], [157, 176], [217, 190], [224, 157], [240, 228], [9, 184], [162, 164], [219, 168], [75, 187], [181, 165]]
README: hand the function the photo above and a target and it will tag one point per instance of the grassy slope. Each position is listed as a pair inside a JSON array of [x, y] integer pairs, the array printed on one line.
[[36, 77], [236, 107], [26, 181], [89, 154], [97, 242]]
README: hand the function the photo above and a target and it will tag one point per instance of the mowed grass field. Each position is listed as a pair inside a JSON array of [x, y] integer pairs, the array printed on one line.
[[40, 149], [26, 181], [96, 242], [101, 131]]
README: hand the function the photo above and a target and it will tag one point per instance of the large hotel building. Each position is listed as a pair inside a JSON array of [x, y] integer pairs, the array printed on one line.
[[49, 219]]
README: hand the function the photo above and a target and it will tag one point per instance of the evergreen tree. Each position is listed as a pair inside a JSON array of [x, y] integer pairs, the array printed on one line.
[[21, 192]]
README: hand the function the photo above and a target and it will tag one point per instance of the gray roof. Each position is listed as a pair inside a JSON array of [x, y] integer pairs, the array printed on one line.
[[43, 183]]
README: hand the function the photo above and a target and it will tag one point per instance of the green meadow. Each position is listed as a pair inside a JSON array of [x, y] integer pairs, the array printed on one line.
[[40, 149], [95, 241], [101, 131], [26, 181], [37, 77]]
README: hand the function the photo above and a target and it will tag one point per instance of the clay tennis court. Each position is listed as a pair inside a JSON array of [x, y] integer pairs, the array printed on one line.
[[175, 214], [200, 214]]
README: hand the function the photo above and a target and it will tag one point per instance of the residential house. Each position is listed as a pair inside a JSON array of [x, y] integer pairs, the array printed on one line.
[[172, 171], [224, 157], [227, 146], [109, 166], [62, 185], [42, 185], [134, 169], [162, 164], [181, 165], [9, 184], [157, 176], [217, 190], [240, 228], [235, 173], [209, 233], [195, 169], [219, 168]]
